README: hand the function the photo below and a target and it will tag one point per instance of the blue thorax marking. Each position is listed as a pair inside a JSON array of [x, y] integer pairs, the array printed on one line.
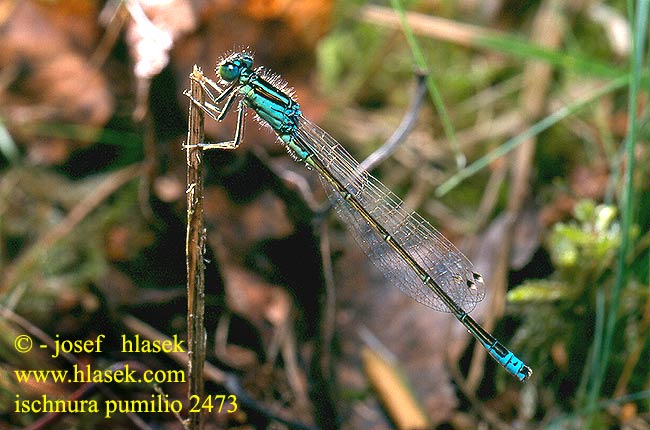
[[274, 106]]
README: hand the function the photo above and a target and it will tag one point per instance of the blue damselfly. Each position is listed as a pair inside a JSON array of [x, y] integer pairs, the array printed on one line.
[[404, 246]]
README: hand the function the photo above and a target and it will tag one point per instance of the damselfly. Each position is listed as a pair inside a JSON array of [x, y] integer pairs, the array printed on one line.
[[403, 245]]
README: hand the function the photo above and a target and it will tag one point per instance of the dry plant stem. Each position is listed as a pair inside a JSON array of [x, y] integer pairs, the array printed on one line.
[[296, 180], [404, 129], [284, 342], [328, 324], [547, 32], [485, 412], [295, 376], [149, 164], [491, 195], [110, 36], [429, 26], [500, 126], [324, 382], [194, 250], [393, 390]]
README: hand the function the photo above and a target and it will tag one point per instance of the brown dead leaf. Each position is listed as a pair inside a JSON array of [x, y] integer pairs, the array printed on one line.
[[118, 241], [590, 181], [78, 93], [254, 299], [586, 182], [169, 188], [308, 18], [558, 210], [628, 412], [526, 240], [267, 218], [77, 19], [238, 356], [239, 226], [560, 355], [52, 82], [118, 288]]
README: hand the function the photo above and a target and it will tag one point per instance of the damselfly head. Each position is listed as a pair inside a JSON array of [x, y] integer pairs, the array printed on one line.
[[231, 67]]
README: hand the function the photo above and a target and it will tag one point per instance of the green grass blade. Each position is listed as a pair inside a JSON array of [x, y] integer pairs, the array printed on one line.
[[534, 130], [577, 63], [436, 98], [639, 16]]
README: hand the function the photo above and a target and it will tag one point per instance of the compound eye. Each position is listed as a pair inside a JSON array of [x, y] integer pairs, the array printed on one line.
[[229, 72]]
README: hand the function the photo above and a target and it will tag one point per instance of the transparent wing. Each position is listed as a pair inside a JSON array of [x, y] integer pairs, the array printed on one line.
[[450, 269]]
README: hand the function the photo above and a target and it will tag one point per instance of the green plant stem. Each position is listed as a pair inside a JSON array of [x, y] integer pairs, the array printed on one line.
[[436, 98], [638, 15], [534, 130]]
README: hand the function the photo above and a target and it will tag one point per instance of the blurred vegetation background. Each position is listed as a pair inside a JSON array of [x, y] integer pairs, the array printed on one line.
[[530, 152]]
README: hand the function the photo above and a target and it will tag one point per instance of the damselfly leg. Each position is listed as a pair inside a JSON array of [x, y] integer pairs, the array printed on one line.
[[212, 109]]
